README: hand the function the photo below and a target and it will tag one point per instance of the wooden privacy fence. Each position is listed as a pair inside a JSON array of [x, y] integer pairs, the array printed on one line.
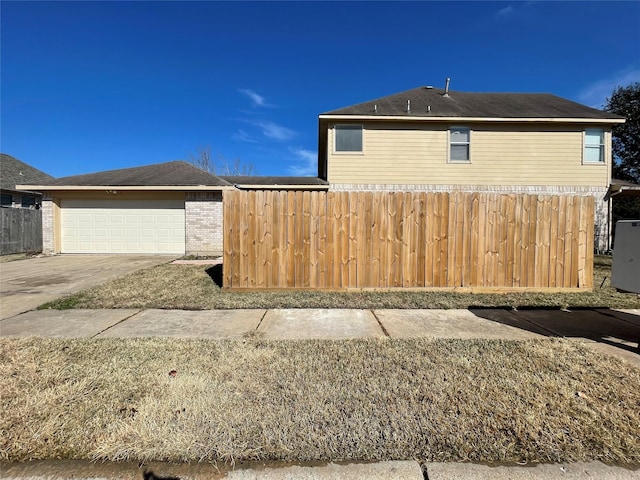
[[343, 240], [20, 231]]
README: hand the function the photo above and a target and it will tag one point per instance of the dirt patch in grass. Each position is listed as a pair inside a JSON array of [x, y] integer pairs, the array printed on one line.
[[224, 401], [191, 287]]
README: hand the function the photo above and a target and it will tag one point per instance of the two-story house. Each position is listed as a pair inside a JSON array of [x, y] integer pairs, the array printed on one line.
[[432, 139]]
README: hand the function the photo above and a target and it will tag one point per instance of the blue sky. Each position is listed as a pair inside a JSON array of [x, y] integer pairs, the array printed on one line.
[[90, 86]]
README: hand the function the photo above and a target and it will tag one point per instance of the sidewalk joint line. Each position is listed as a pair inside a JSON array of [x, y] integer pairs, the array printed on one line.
[[261, 319], [384, 330], [118, 323]]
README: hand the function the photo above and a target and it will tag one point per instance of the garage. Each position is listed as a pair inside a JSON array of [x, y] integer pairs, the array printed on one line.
[[172, 208], [122, 226]]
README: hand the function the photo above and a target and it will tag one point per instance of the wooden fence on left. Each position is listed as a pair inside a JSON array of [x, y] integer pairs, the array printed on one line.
[[353, 240]]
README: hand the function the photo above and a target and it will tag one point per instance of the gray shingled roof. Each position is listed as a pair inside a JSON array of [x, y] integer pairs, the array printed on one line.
[[15, 172], [271, 181], [470, 105], [177, 173]]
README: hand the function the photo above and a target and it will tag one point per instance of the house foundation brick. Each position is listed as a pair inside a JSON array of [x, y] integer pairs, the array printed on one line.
[[203, 223], [602, 225]]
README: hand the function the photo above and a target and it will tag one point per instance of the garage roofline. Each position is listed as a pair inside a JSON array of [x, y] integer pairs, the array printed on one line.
[[178, 188]]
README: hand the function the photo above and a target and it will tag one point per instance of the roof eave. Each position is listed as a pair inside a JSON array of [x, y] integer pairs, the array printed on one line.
[[281, 187], [15, 190], [407, 118], [622, 190], [181, 188]]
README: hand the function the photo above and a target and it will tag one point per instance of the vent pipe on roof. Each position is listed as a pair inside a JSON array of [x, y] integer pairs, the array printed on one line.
[[428, 108], [408, 105], [446, 87], [375, 108]]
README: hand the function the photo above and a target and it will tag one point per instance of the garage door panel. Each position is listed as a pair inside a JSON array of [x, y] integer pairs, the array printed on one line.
[[117, 226]]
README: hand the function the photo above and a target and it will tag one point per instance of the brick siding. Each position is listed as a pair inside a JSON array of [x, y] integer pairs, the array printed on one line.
[[48, 242], [203, 223]]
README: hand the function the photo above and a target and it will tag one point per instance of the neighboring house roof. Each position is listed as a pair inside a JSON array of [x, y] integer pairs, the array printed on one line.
[[15, 172], [164, 176], [433, 103], [623, 188], [257, 182]]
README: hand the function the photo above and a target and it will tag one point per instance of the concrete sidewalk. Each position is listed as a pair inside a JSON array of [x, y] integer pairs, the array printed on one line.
[[615, 332], [390, 470]]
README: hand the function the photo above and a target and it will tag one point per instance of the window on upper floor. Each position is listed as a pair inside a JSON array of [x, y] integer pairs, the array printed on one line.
[[348, 138], [593, 145], [460, 144]]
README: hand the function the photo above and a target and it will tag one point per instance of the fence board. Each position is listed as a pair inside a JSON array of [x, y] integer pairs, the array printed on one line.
[[322, 263], [430, 221], [575, 229], [568, 240], [383, 241], [444, 239], [562, 207], [342, 240], [345, 257], [420, 226], [517, 242], [20, 230]]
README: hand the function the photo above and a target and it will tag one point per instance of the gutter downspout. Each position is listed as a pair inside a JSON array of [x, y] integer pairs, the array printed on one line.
[[610, 214]]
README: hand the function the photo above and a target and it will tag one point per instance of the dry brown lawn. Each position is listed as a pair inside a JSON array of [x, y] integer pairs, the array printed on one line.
[[190, 287], [224, 401]]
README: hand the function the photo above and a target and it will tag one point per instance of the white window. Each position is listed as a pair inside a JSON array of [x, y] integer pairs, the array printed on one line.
[[593, 145], [348, 138], [459, 144]]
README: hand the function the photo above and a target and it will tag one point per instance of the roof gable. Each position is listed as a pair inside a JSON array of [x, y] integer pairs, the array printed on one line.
[[15, 172], [433, 103], [178, 173]]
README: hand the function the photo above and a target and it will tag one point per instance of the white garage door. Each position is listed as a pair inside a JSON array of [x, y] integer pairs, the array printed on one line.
[[122, 226]]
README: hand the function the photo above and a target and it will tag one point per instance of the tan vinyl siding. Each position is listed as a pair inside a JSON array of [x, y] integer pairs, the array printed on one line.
[[416, 153]]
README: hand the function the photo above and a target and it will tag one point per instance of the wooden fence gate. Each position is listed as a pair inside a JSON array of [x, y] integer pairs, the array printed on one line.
[[361, 240]]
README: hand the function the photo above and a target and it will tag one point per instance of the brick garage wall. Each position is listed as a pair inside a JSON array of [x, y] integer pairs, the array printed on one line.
[[203, 219], [601, 216], [48, 235]]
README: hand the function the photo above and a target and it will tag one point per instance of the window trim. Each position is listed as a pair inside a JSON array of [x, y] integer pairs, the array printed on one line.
[[602, 145], [450, 143], [335, 139]]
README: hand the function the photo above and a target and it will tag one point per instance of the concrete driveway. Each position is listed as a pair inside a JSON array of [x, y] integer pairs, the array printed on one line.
[[25, 284]]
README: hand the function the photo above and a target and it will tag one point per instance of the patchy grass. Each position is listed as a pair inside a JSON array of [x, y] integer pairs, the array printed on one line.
[[224, 401], [12, 257], [190, 287]]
